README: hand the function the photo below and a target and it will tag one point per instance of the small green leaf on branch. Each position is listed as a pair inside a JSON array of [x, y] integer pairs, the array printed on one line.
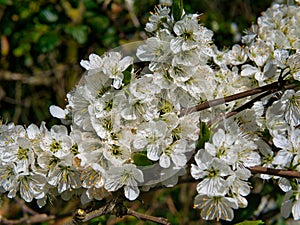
[[247, 222], [204, 135], [140, 159], [177, 9]]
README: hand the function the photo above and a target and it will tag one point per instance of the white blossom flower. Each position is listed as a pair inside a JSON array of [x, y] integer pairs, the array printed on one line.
[[155, 51], [116, 153], [90, 148], [8, 175], [289, 147], [293, 63], [287, 204], [267, 156], [160, 19], [21, 153], [30, 185], [175, 153], [144, 87], [291, 102], [181, 73], [187, 31], [284, 112], [259, 52], [64, 178], [93, 176], [237, 55], [94, 62], [56, 141], [127, 176], [220, 57], [239, 185], [215, 207], [62, 114], [214, 173], [96, 85], [281, 56], [247, 154], [114, 65], [152, 136], [222, 147], [79, 102], [140, 110], [188, 58], [264, 74], [291, 203], [119, 111]]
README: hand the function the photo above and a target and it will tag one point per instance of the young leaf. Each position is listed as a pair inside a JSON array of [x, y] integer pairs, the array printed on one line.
[[140, 159], [247, 222], [127, 75], [177, 9], [204, 135]]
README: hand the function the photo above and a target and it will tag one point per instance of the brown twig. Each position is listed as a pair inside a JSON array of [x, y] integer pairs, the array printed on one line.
[[275, 86], [275, 172], [247, 105], [113, 206], [37, 218], [159, 220], [24, 207]]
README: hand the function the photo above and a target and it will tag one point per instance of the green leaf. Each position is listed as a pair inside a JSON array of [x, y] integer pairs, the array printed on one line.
[[6, 2], [204, 135], [78, 32], [177, 9], [22, 49], [247, 222], [127, 75], [48, 41], [48, 15], [140, 159], [98, 23]]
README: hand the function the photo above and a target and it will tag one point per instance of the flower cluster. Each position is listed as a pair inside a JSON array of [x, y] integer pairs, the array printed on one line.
[[133, 128]]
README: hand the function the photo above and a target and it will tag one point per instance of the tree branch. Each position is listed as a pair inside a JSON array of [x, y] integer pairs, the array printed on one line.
[[159, 220], [275, 172], [24, 207], [116, 207], [273, 87], [247, 105], [37, 218]]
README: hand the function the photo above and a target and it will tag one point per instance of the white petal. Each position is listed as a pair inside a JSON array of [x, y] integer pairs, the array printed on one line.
[[248, 70], [57, 112], [296, 210], [164, 161], [219, 138], [284, 184], [283, 157], [131, 193], [125, 62], [153, 153], [179, 159], [113, 185]]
